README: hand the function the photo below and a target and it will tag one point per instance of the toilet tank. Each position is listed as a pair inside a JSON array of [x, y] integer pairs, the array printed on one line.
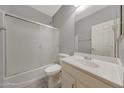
[[61, 56]]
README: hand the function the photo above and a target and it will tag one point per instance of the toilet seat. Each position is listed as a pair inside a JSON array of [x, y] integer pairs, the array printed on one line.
[[53, 69]]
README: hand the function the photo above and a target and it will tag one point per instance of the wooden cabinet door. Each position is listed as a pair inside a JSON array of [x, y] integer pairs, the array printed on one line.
[[67, 81], [80, 85]]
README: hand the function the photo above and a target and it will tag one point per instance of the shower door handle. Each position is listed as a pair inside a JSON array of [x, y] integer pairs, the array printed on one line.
[[73, 85]]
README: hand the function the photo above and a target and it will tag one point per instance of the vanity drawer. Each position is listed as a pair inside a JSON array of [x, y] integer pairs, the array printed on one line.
[[83, 77]]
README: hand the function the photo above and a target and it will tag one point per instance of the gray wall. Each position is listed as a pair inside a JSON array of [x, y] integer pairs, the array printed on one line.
[[27, 12], [83, 26], [64, 19]]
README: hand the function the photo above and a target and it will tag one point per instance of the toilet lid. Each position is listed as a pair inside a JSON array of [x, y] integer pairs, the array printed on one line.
[[53, 68]]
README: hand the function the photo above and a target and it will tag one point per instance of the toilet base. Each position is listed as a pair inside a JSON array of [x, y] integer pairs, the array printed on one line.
[[51, 83], [54, 81]]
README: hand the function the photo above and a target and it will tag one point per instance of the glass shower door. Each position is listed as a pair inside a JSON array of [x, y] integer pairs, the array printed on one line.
[[23, 46], [29, 45]]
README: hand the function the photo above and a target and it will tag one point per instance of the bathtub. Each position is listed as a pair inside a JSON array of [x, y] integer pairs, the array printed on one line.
[[24, 79]]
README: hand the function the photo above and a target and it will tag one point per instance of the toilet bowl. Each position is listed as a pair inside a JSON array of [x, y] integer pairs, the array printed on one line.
[[53, 69], [53, 72]]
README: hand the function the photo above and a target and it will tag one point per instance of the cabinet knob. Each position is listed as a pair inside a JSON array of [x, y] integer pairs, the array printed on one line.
[[73, 85]]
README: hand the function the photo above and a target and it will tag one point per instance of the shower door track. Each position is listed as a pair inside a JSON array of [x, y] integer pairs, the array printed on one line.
[[28, 20]]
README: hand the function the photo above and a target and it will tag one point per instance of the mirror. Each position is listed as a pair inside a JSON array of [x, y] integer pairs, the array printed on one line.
[[97, 29]]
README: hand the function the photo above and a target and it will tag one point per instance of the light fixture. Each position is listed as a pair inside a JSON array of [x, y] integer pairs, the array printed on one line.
[[82, 8], [76, 6]]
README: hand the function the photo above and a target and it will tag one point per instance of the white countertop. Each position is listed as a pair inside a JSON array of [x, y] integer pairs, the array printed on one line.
[[105, 70]]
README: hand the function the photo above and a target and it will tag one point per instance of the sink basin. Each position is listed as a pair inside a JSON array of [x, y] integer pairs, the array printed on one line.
[[86, 62]]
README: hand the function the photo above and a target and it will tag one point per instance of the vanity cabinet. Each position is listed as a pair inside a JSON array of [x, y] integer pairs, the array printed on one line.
[[75, 78], [67, 80]]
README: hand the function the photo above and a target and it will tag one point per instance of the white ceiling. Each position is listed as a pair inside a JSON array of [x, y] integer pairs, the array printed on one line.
[[49, 10]]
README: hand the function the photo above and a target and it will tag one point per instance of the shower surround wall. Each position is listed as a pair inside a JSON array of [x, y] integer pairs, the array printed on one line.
[[25, 78]]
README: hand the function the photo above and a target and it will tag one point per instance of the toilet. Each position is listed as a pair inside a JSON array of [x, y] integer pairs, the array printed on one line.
[[53, 72]]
